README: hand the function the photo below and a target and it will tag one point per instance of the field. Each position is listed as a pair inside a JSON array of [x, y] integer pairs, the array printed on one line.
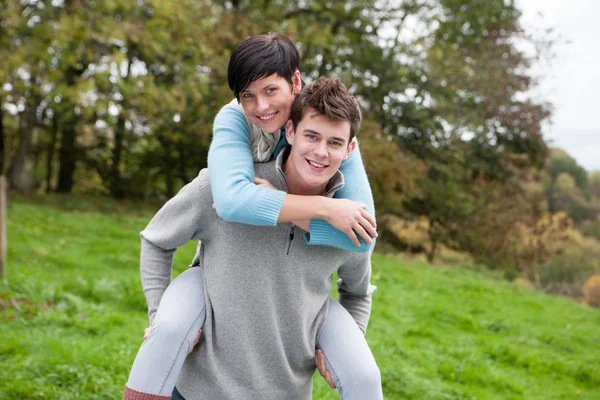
[[72, 315]]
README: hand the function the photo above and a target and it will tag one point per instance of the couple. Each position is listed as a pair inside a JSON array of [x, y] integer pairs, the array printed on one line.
[[260, 289]]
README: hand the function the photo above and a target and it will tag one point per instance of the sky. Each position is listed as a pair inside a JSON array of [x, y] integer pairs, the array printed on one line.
[[571, 80]]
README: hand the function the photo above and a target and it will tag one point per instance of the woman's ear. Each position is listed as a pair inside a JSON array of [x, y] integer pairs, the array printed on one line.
[[296, 83], [289, 131]]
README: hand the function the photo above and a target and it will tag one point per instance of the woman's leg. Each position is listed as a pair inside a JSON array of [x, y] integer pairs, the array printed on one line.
[[181, 314], [348, 356]]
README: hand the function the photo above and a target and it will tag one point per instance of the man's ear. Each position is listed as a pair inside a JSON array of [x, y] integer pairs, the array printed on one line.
[[350, 149], [296, 83], [289, 131]]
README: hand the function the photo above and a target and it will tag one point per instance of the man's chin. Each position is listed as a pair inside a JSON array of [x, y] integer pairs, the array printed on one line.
[[317, 183]]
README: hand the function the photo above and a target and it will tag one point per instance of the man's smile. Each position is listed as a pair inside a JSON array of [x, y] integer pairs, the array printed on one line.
[[316, 165]]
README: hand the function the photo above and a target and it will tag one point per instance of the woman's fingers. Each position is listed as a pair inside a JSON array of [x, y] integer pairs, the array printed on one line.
[[352, 235], [368, 223], [322, 367], [362, 233], [195, 341]]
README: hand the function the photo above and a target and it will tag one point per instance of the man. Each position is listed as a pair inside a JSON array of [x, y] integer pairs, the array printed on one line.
[[267, 292]]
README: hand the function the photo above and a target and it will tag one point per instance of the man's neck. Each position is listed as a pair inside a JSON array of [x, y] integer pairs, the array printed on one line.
[[296, 184]]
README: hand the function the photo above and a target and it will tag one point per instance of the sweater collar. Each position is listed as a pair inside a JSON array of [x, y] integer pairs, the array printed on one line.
[[335, 183]]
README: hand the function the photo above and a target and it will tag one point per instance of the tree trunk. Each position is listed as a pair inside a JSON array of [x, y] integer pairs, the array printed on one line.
[[2, 150], [26, 125], [67, 158], [3, 190], [51, 151], [116, 186], [169, 175], [433, 238], [181, 165]]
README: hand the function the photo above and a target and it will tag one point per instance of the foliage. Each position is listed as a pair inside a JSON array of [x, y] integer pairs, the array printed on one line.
[[406, 235], [117, 98], [73, 313], [567, 188], [591, 228], [132, 88], [594, 183], [562, 163], [591, 291], [574, 259]]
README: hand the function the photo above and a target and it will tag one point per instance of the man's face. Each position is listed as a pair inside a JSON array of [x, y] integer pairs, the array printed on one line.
[[268, 101], [319, 145]]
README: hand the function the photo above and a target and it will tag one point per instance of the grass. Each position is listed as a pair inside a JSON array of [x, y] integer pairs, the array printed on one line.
[[72, 314]]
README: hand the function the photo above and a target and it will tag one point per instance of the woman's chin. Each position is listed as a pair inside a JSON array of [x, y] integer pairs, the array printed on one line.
[[269, 127]]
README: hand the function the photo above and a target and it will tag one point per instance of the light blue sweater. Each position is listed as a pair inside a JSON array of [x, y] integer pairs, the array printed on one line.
[[238, 199]]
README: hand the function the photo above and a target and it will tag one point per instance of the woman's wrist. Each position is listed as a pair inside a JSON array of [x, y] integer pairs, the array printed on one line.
[[325, 209]]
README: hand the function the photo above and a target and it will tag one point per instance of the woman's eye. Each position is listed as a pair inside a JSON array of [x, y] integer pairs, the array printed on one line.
[[336, 144], [247, 96], [271, 90]]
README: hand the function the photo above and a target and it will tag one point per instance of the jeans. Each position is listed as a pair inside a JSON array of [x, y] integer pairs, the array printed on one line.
[[176, 395], [178, 320]]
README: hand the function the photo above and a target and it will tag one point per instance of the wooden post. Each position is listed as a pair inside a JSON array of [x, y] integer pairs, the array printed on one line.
[[2, 227]]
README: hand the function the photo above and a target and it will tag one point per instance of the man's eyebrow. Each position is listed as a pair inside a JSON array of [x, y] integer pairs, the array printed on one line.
[[312, 131]]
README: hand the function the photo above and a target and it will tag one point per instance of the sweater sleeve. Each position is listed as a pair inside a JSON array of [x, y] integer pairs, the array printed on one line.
[[355, 289], [176, 223], [356, 188], [231, 170]]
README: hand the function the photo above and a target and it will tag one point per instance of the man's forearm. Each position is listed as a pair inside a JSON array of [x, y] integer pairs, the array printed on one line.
[[155, 270], [359, 308]]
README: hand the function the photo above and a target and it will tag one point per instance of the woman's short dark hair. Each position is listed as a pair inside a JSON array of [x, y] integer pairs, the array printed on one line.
[[328, 97], [260, 56]]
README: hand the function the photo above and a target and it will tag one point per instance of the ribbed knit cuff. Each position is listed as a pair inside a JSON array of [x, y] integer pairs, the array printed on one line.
[[131, 394], [319, 232], [269, 208]]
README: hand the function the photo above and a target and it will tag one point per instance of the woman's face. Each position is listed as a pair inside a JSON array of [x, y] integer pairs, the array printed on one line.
[[268, 101]]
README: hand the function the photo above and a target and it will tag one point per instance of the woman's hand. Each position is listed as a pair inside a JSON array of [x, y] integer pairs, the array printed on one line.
[[322, 367], [351, 218]]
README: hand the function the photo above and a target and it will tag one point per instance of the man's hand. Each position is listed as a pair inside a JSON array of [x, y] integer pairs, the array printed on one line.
[[264, 183], [147, 333], [323, 371], [352, 219]]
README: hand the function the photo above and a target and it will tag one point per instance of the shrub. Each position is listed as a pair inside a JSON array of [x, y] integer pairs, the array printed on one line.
[[591, 291], [576, 259], [591, 228]]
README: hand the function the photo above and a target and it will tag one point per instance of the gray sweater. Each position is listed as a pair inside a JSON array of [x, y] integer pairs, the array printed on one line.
[[265, 290]]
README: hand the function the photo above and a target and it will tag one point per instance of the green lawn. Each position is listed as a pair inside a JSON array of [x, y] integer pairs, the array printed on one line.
[[72, 316]]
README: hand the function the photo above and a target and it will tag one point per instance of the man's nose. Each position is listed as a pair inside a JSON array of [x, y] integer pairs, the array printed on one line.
[[321, 149]]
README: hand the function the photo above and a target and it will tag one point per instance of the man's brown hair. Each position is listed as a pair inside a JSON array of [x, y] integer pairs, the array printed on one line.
[[330, 98]]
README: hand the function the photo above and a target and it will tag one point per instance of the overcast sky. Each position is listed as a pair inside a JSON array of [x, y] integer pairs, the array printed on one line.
[[572, 80]]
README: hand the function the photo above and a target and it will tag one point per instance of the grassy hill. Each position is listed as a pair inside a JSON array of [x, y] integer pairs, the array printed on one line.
[[72, 316]]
